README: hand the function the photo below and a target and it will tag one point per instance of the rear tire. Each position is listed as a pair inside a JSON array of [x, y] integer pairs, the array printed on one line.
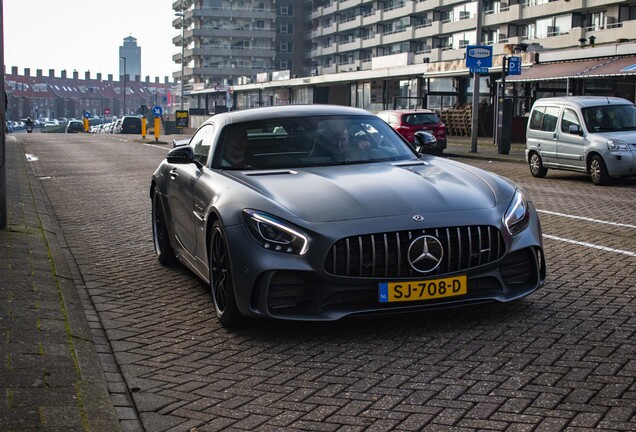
[[598, 171], [536, 166], [160, 235], [221, 283]]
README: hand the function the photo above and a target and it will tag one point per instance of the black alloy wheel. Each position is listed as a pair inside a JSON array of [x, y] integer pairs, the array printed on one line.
[[221, 279], [160, 236]]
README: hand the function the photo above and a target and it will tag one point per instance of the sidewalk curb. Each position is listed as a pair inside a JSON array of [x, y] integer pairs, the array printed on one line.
[[91, 385]]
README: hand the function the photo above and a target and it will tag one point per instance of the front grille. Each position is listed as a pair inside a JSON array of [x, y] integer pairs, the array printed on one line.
[[386, 254]]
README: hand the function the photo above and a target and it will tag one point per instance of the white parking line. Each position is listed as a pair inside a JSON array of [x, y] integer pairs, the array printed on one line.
[[159, 147], [587, 219], [590, 245]]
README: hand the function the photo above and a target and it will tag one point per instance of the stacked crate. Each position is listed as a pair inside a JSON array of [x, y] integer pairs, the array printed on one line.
[[458, 120]]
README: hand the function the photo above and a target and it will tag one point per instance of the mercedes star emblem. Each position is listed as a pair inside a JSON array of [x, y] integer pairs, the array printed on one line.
[[425, 254]]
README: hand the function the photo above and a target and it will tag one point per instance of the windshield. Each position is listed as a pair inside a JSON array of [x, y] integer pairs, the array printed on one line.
[[417, 119], [610, 118], [309, 141]]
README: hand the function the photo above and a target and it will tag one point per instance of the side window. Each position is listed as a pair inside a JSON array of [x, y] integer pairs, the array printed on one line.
[[550, 119], [536, 118], [569, 119], [201, 144]]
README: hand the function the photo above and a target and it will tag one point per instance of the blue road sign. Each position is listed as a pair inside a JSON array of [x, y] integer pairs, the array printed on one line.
[[514, 65], [164, 99], [157, 111], [87, 114], [478, 58]]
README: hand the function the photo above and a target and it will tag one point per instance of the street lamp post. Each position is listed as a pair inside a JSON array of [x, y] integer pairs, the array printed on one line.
[[182, 15], [124, 59]]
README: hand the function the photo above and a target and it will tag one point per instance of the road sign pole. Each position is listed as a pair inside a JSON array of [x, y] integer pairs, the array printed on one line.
[[475, 118]]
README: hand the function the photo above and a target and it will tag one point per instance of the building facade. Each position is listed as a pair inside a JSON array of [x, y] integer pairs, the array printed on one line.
[[375, 54], [228, 42], [66, 95]]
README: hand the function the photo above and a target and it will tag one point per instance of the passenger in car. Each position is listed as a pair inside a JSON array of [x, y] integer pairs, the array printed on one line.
[[348, 147], [235, 148]]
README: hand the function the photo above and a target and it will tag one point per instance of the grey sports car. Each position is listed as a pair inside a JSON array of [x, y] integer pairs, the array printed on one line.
[[321, 212]]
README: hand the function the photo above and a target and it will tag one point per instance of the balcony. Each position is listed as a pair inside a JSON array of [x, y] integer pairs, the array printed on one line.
[[397, 36], [348, 4], [450, 27], [349, 67], [428, 30], [330, 29], [427, 5], [329, 50], [331, 69], [505, 16], [370, 18], [353, 45], [400, 11], [330, 9], [350, 24], [372, 41], [532, 9]]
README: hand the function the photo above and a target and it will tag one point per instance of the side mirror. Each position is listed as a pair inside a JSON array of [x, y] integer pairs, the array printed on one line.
[[181, 155], [424, 141], [575, 130]]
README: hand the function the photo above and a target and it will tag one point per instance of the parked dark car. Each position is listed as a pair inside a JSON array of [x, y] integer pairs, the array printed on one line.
[[321, 212], [130, 125], [407, 122], [75, 126]]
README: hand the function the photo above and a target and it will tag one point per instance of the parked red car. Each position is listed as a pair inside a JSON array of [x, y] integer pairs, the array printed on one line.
[[407, 122]]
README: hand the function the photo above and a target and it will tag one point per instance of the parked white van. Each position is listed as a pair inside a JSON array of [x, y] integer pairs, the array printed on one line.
[[591, 134]]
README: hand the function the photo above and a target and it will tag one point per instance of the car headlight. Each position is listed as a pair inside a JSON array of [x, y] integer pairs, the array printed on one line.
[[275, 234], [517, 217], [617, 145]]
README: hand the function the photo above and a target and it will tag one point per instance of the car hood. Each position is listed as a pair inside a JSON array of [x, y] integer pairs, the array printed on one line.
[[627, 136], [321, 194]]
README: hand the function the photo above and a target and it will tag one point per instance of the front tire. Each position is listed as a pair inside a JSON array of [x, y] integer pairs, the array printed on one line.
[[221, 284], [536, 166], [598, 171], [160, 236]]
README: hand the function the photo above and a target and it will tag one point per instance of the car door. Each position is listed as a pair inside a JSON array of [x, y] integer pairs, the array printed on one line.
[[542, 132], [180, 192], [570, 146]]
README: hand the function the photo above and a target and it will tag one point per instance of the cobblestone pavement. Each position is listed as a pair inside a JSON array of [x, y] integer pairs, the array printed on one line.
[[564, 358]]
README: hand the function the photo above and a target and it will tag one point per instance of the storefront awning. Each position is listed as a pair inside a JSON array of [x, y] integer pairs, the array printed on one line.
[[555, 71], [618, 66]]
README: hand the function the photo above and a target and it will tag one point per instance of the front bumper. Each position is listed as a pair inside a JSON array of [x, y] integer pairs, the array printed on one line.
[[291, 287]]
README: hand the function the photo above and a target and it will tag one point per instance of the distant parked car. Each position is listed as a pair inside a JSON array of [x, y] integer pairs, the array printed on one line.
[[130, 125], [74, 126], [407, 122]]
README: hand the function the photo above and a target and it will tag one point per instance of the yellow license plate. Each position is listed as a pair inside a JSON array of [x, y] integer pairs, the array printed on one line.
[[423, 290]]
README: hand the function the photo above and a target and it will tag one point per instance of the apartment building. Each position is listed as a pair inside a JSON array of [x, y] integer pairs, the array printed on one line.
[[411, 53], [227, 42]]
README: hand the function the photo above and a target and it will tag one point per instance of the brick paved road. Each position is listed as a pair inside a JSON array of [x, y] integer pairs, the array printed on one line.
[[562, 359]]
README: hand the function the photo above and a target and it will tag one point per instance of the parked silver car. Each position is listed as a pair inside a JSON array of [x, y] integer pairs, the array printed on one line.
[[591, 134]]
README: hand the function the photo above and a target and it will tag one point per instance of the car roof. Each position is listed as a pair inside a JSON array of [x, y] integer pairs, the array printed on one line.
[[409, 111], [274, 112], [584, 101]]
